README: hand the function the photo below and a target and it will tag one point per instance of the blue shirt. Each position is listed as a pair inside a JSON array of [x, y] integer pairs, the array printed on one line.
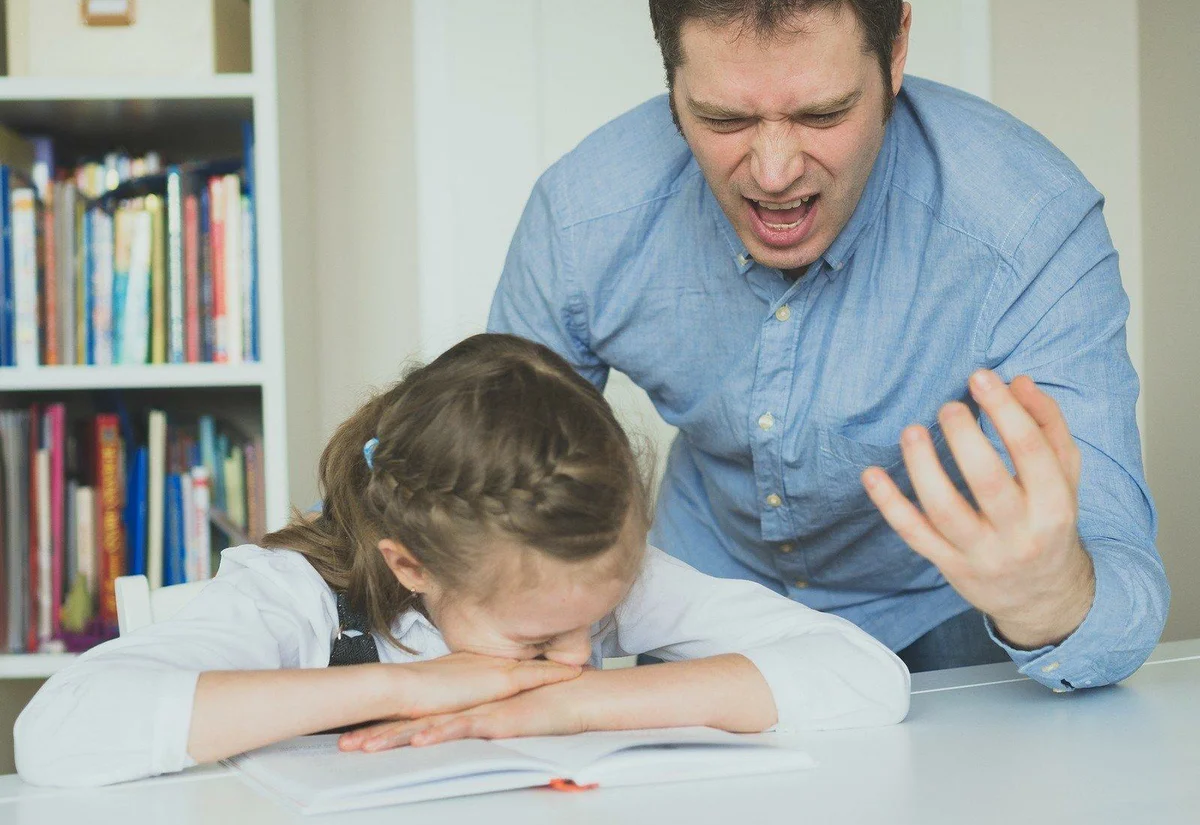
[[975, 244]]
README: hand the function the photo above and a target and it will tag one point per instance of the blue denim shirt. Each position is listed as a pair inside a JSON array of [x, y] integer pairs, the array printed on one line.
[[975, 244]]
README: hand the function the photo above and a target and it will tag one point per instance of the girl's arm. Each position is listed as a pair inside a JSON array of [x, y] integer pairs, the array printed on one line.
[[724, 691], [149, 703]]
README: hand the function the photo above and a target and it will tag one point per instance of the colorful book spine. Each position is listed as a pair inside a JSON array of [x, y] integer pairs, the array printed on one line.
[[64, 259], [208, 330], [23, 204], [217, 201], [191, 278], [107, 445], [173, 572], [32, 436], [158, 281], [201, 566], [56, 414], [139, 508], [45, 550], [249, 282], [85, 538], [175, 268], [50, 327], [135, 342], [82, 274], [102, 287], [157, 444], [7, 303], [234, 295]]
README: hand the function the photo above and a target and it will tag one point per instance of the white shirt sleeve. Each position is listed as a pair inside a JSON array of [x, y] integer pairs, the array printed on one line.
[[123, 709], [823, 671]]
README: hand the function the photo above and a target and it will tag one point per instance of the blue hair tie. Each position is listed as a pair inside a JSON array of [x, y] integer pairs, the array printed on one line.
[[369, 452]]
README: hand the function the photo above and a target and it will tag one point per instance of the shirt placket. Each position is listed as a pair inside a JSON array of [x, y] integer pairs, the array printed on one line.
[[772, 412]]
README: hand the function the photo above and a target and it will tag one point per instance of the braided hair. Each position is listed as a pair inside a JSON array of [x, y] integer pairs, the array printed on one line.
[[496, 443]]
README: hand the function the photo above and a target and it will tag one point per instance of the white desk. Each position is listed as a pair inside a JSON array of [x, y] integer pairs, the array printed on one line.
[[981, 745]]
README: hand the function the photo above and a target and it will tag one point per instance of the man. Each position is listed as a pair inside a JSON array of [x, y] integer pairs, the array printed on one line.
[[866, 301]]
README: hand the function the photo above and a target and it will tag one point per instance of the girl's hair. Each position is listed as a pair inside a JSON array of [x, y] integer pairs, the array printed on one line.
[[496, 441]]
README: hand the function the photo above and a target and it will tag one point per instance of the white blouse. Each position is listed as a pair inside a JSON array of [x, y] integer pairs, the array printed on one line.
[[123, 709]]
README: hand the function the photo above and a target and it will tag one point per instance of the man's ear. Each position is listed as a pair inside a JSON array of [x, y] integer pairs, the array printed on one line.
[[411, 573], [900, 48]]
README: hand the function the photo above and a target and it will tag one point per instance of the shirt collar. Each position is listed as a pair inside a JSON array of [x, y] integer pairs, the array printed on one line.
[[869, 205], [844, 244]]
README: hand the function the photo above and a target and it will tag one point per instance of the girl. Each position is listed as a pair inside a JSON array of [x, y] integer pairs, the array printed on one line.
[[482, 539]]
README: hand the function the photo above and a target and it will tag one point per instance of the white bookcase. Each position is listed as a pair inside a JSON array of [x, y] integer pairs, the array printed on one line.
[[179, 117]]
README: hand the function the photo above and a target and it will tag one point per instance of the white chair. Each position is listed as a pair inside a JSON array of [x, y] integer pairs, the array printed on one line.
[[138, 606]]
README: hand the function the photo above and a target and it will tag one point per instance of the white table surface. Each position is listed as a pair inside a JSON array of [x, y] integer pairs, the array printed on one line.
[[981, 745]]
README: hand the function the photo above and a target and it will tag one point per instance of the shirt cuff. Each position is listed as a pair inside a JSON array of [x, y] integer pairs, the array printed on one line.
[[1075, 662], [173, 721]]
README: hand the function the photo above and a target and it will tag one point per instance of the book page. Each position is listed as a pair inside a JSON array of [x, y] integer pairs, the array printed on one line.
[[575, 753], [310, 770]]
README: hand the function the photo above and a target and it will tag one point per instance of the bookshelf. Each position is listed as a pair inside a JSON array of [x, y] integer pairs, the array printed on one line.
[[181, 118]]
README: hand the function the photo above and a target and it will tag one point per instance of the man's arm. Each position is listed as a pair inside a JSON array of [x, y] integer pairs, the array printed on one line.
[[537, 297], [1062, 555]]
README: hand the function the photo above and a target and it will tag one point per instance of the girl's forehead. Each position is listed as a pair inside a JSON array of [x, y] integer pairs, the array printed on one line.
[[557, 602]]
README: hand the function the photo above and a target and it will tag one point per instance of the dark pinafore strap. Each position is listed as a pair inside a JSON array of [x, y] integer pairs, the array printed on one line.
[[354, 644]]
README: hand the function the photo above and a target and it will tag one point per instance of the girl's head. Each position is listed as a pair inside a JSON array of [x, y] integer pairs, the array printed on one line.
[[502, 494]]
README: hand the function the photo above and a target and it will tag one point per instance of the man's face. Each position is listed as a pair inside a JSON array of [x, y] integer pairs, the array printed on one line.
[[786, 129]]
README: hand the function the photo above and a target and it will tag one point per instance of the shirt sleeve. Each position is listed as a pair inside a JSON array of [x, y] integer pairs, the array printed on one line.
[[823, 671], [1060, 319], [123, 710], [536, 298]]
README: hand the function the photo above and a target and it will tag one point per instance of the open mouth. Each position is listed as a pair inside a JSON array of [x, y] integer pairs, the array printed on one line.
[[783, 223]]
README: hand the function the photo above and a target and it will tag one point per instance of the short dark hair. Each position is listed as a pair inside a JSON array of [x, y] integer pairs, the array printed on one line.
[[880, 21]]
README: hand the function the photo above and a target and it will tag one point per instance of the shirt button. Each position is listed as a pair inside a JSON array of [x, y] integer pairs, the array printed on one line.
[[1050, 668], [743, 260], [766, 421], [774, 500], [1058, 690], [783, 313], [786, 548], [800, 584]]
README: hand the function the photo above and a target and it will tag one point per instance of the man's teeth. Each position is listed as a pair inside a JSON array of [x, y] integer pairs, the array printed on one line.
[[782, 206]]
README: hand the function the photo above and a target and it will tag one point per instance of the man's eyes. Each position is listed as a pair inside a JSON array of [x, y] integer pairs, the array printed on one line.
[[736, 124]]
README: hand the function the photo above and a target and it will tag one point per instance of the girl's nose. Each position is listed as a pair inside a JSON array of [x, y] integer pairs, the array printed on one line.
[[572, 649]]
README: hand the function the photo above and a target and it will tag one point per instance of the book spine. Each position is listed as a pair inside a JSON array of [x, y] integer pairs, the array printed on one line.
[[234, 295], [24, 268], [135, 343], [45, 555], [57, 415], [191, 277], [158, 281], [173, 532], [107, 444], [102, 287], [250, 284], [141, 508], [30, 543], [157, 443], [7, 305], [217, 203], [201, 536], [50, 280], [175, 273], [64, 214], [85, 538]]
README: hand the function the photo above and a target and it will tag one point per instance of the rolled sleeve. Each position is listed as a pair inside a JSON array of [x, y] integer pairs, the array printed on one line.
[[1119, 632]]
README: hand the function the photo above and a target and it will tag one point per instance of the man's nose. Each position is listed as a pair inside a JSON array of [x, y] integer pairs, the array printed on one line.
[[777, 156]]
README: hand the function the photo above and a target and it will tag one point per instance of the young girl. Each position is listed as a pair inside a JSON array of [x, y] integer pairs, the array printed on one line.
[[482, 540]]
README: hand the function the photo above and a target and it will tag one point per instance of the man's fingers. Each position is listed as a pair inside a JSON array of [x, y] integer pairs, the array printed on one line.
[[1046, 412], [1044, 479], [995, 490], [908, 522], [944, 506]]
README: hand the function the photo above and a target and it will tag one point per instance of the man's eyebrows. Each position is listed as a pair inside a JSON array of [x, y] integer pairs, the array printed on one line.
[[721, 112]]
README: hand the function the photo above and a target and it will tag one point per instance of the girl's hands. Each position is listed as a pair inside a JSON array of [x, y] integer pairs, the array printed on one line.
[[466, 680], [539, 712]]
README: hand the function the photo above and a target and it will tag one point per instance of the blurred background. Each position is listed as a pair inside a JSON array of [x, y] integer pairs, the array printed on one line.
[[387, 149]]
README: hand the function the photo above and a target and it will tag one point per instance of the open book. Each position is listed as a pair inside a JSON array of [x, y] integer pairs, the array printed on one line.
[[310, 772]]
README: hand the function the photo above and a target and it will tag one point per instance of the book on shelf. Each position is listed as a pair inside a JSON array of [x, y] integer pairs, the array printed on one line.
[[123, 260], [311, 774], [86, 497]]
